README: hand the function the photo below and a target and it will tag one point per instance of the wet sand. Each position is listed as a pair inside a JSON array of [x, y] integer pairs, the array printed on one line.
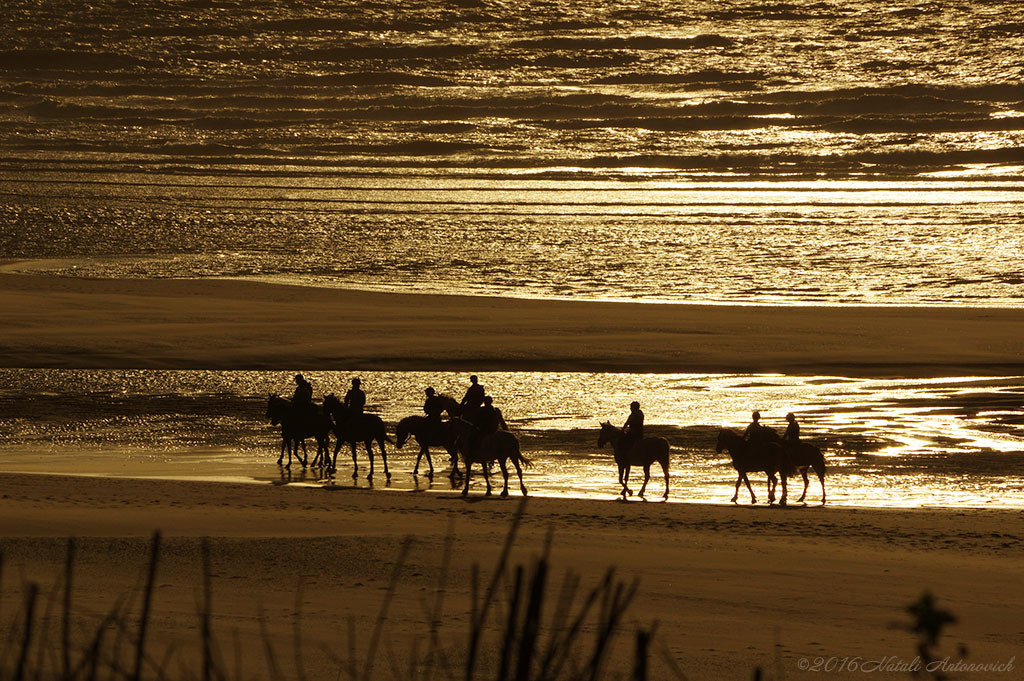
[[215, 324], [730, 587]]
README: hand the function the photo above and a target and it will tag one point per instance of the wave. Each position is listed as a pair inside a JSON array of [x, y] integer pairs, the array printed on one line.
[[641, 42], [707, 76], [68, 60]]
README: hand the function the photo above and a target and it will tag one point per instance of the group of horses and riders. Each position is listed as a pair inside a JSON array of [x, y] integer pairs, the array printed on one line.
[[476, 430]]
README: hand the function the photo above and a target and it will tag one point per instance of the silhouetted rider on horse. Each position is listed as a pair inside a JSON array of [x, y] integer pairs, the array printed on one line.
[[474, 397], [753, 433], [433, 407], [633, 428], [302, 398], [355, 398], [792, 434], [488, 420]]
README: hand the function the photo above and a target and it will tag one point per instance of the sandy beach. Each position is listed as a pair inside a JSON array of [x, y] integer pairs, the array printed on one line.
[[731, 588], [82, 323]]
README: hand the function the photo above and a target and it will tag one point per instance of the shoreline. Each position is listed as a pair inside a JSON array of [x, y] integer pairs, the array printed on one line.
[[58, 322]]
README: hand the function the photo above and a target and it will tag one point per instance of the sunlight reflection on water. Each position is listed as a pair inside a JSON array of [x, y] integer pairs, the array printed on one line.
[[888, 442]]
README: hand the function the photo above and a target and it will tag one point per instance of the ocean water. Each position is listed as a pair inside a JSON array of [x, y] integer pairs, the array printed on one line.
[[955, 442], [735, 152]]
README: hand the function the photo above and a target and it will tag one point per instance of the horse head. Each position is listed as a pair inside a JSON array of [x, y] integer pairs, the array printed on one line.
[[608, 433], [274, 408], [725, 438], [401, 433]]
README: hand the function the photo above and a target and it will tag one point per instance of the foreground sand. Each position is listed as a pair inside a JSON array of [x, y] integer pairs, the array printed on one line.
[[213, 324], [730, 587]]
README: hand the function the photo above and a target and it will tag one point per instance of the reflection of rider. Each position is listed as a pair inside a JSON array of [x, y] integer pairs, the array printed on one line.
[[474, 396], [753, 432], [633, 428], [355, 398], [303, 395], [792, 433], [487, 421]]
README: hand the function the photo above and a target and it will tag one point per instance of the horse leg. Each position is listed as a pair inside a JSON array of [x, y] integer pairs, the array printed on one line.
[[664, 467], [416, 468], [384, 458], [782, 500], [803, 472], [355, 462], [504, 473], [430, 462], [647, 476], [487, 477], [519, 472], [369, 453], [284, 443], [750, 489], [772, 484], [469, 468], [739, 481], [625, 481], [821, 479]]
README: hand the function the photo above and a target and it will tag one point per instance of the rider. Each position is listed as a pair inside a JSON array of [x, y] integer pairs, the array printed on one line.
[[433, 407], [487, 421], [303, 395], [753, 432], [474, 396], [633, 428], [355, 398], [792, 434]]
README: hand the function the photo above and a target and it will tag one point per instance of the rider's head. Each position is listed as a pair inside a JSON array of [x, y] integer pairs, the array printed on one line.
[[430, 392], [634, 405], [488, 400], [473, 379], [790, 417], [355, 382], [756, 415], [299, 378]]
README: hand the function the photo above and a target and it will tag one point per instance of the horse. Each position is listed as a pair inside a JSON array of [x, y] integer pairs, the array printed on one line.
[[354, 428], [748, 457], [427, 435], [800, 455], [642, 453], [500, 446], [297, 425]]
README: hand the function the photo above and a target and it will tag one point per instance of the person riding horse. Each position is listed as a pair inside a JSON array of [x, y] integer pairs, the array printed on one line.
[[355, 398], [792, 434], [753, 433], [488, 420], [433, 407], [302, 398], [474, 397], [633, 428]]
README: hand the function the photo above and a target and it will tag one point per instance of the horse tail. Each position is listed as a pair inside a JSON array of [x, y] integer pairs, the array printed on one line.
[[518, 455]]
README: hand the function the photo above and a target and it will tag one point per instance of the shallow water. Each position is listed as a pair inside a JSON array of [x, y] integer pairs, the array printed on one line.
[[952, 442]]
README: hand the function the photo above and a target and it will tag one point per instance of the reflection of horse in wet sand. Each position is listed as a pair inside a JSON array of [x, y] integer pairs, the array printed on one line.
[[354, 428], [799, 456], [297, 425], [500, 446], [427, 435], [748, 457], [642, 453]]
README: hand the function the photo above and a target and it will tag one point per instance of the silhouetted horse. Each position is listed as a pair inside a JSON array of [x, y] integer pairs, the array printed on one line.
[[355, 428], [749, 457], [800, 456], [642, 453], [427, 435], [297, 425], [500, 446]]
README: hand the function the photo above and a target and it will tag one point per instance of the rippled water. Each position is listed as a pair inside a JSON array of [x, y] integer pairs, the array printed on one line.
[[938, 442], [798, 152]]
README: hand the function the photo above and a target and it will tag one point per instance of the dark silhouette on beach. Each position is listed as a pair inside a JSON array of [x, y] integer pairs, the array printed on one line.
[[353, 427], [641, 452], [750, 456], [299, 422], [501, 446], [798, 456], [427, 435]]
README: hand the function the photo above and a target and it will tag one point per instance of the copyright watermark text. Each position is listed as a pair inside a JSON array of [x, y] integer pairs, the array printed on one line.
[[837, 664]]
